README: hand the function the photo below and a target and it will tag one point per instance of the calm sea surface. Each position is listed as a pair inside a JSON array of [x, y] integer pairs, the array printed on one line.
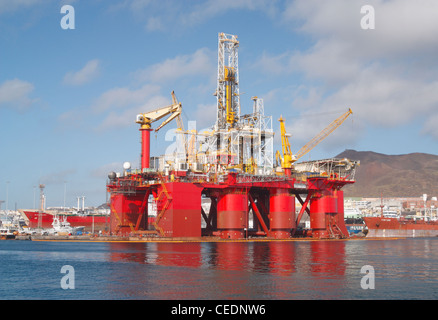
[[403, 269]]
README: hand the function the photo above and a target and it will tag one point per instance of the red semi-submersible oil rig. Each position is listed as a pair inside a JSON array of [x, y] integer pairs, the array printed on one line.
[[231, 168]]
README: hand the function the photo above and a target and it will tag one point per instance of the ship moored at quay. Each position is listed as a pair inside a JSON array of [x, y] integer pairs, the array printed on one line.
[[381, 227], [406, 217], [37, 219]]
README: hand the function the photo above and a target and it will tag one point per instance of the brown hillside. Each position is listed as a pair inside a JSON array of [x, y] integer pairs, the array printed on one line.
[[406, 175]]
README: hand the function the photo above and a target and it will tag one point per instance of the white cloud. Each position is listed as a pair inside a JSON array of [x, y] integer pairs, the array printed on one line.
[[117, 107], [199, 63], [126, 117], [401, 26], [205, 116], [15, 5], [309, 125], [57, 177], [431, 126], [119, 98], [120, 106], [168, 15], [89, 72], [386, 75], [102, 172], [9, 6], [140, 4], [274, 64], [15, 94], [377, 97], [385, 99], [155, 24], [208, 9]]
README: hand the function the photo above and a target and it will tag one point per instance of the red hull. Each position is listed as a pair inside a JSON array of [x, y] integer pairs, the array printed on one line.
[[101, 222], [393, 227]]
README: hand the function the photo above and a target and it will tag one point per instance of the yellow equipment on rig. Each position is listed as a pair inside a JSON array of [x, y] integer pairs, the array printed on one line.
[[288, 158]]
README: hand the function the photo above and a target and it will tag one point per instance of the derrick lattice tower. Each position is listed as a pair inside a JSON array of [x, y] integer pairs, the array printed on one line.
[[228, 100]]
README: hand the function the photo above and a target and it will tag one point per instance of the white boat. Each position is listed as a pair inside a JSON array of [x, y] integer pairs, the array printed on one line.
[[7, 229], [7, 233], [63, 227]]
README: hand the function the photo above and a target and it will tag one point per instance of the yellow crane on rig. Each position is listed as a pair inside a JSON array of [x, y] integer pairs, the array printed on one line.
[[288, 158]]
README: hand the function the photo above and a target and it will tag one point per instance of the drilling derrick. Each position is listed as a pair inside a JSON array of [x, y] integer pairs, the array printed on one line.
[[228, 99], [239, 142], [226, 185]]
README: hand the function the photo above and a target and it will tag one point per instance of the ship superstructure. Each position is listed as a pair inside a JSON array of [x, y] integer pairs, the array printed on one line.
[[232, 167]]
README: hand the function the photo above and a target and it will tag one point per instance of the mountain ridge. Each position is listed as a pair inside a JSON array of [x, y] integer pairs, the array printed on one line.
[[404, 175]]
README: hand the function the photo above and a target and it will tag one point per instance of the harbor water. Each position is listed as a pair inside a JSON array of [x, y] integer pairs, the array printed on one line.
[[354, 269]]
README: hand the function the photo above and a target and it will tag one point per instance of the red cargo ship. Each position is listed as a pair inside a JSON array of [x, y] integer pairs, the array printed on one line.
[[400, 227], [100, 221]]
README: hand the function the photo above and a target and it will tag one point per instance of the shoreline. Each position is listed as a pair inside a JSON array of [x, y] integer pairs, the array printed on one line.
[[182, 240]]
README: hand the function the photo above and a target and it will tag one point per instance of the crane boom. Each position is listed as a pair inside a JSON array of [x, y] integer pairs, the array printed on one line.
[[322, 135], [178, 119], [146, 119], [174, 115]]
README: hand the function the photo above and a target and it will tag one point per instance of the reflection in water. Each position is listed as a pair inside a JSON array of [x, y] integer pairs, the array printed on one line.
[[271, 270], [176, 254], [124, 252], [327, 258], [264, 257], [404, 269], [281, 258], [232, 270]]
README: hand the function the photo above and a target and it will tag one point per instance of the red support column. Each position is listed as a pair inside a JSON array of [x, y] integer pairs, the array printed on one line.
[[340, 216], [232, 208], [145, 147], [125, 212], [281, 213], [322, 205]]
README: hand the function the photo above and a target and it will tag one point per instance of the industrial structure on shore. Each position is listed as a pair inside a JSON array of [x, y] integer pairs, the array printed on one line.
[[233, 165]]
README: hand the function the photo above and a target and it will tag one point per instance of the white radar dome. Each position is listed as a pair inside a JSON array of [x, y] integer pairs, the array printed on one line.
[[127, 165]]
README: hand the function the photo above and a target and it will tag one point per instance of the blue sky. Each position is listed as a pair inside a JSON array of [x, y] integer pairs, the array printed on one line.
[[68, 98]]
